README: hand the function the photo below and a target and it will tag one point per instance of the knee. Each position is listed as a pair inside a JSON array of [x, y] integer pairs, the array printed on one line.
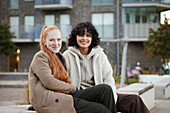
[[105, 86], [135, 98]]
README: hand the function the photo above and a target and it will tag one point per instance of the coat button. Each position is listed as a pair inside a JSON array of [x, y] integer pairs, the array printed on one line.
[[56, 100]]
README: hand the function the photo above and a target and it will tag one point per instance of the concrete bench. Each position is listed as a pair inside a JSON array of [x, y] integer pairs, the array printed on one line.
[[162, 88], [15, 109], [145, 91], [151, 79]]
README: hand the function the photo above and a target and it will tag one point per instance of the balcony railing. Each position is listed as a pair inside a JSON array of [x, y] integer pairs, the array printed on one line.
[[53, 4], [139, 30], [147, 1], [33, 32]]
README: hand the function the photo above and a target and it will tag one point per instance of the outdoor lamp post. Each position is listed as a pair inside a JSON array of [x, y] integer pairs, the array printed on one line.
[[17, 59]]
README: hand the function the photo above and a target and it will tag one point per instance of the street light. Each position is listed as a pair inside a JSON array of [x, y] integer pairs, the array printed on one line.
[[17, 59]]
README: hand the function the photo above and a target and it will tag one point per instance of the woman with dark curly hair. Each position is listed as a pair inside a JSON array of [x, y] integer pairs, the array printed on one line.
[[80, 30], [88, 66]]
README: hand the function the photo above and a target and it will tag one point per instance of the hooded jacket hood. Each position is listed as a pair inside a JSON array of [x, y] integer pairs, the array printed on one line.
[[95, 51]]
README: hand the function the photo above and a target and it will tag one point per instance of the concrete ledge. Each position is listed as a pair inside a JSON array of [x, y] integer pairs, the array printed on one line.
[[145, 91], [13, 79], [162, 89], [13, 76]]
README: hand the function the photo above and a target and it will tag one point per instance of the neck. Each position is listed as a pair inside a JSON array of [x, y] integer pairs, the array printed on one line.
[[84, 51]]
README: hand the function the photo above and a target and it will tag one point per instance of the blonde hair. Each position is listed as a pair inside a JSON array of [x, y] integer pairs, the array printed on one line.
[[56, 66]]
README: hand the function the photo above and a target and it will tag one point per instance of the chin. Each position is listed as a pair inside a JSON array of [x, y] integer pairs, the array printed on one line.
[[55, 51]]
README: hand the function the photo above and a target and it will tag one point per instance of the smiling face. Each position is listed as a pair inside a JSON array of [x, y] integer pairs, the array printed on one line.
[[84, 40], [53, 41]]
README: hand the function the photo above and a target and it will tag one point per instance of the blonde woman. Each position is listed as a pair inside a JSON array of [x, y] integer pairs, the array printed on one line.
[[50, 86]]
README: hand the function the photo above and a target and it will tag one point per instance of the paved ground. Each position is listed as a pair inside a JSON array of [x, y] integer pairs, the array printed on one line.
[[162, 106], [10, 97]]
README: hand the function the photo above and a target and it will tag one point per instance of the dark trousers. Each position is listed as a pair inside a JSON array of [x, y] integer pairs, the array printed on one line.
[[128, 103], [97, 99]]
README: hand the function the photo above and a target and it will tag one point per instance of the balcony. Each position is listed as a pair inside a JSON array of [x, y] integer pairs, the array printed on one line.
[[32, 33], [139, 32], [53, 4], [146, 3]]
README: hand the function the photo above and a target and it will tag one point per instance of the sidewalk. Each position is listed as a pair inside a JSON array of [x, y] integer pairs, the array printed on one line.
[[162, 106]]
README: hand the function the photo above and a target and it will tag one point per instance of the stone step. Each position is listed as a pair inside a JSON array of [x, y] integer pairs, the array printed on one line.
[[13, 76]]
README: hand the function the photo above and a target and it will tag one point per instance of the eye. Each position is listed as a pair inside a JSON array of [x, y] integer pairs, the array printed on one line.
[[51, 39], [88, 35], [81, 34], [59, 39]]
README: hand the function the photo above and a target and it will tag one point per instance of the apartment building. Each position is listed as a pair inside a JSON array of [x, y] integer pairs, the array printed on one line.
[[27, 17], [137, 17]]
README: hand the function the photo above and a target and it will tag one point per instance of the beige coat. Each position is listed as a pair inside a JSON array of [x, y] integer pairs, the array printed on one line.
[[42, 85], [101, 68]]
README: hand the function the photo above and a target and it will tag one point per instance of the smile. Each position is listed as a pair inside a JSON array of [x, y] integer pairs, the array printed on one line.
[[55, 47]]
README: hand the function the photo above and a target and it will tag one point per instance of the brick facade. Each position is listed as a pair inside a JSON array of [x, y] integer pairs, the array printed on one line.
[[81, 11]]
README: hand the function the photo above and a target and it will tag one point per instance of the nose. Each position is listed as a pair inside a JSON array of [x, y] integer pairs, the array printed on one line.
[[56, 42], [84, 37]]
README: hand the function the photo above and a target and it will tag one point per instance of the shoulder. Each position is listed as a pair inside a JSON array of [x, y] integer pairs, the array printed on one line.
[[100, 51], [40, 54], [67, 53]]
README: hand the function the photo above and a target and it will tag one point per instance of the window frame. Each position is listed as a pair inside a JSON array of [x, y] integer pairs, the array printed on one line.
[[9, 5], [103, 25]]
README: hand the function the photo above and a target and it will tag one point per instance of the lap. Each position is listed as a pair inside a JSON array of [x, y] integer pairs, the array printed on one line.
[[93, 92], [83, 106], [126, 98]]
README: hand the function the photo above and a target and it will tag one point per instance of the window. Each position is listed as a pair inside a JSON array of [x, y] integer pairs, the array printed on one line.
[[65, 19], [141, 15], [153, 18], [28, 0], [127, 18], [102, 2], [49, 20], [104, 23], [14, 4], [29, 26], [66, 2], [137, 19], [14, 23], [144, 19], [65, 26]]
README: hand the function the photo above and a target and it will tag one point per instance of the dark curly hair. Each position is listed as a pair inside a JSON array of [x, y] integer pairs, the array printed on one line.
[[80, 29]]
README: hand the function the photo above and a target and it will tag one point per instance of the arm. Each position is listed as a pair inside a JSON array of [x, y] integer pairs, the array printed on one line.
[[108, 75], [40, 66]]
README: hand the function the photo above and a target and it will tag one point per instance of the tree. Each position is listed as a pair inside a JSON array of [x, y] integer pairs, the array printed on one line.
[[158, 43], [6, 45]]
